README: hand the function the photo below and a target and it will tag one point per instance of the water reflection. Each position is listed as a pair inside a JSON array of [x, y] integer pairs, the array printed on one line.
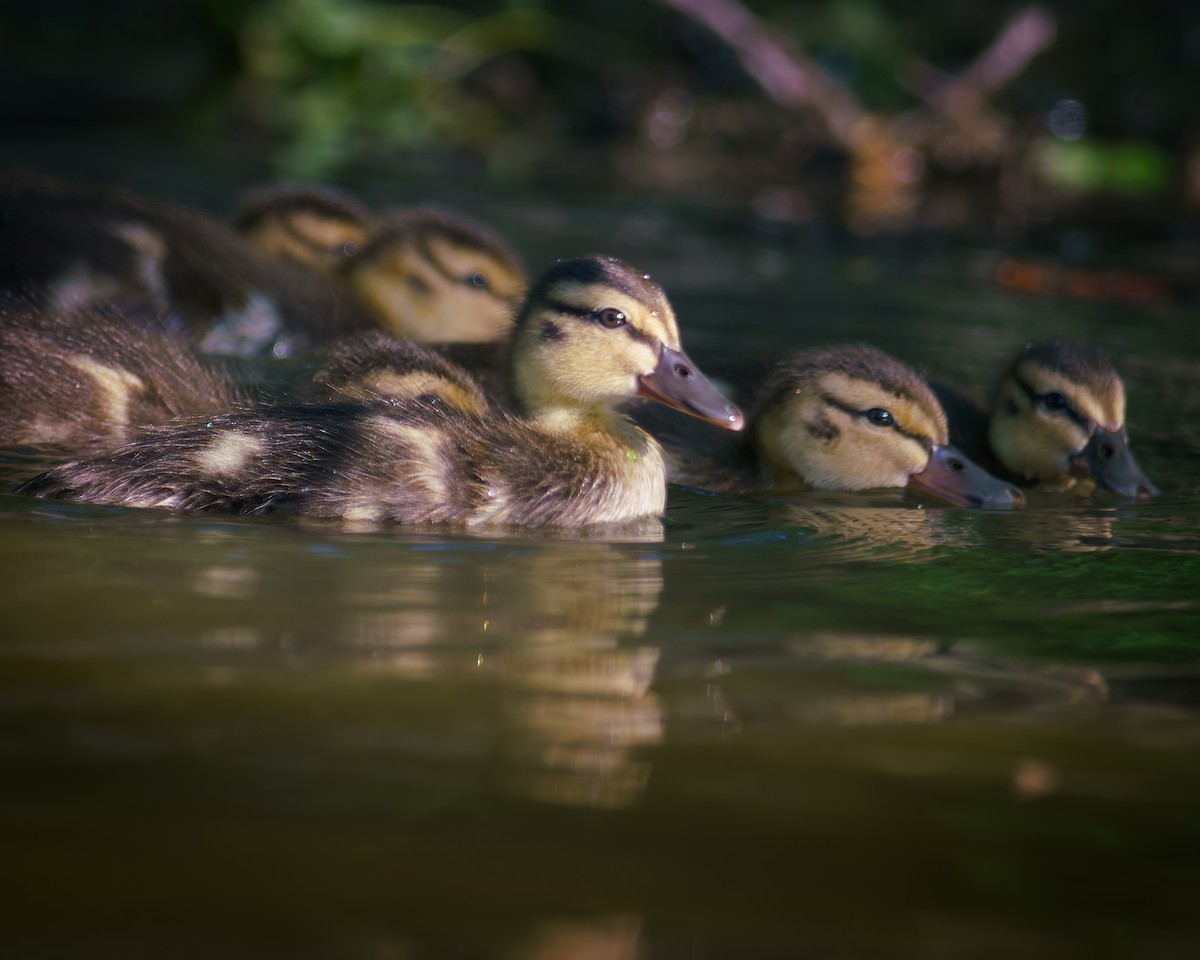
[[848, 678], [550, 625]]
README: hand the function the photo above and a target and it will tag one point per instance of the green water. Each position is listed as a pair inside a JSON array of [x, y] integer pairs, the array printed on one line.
[[838, 727]]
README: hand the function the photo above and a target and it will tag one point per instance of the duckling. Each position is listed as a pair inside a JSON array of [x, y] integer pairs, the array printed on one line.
[[317, 226], [80, 385], [373, 368], [67, 247], [1057, 421], [838, 418], [437, 278], [432, 276], [592, 334]]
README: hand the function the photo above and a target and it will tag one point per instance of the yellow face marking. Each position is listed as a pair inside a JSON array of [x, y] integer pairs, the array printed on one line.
[[1101, 403], [390, 385], [815, 436], [414, 299], [114, 388], [228, 453]]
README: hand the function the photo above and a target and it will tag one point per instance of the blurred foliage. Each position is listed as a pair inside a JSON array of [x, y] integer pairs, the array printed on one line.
[[602, 88], [332, 77]]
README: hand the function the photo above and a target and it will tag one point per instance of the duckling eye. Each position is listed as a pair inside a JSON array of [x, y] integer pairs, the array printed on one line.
[[1054, 401], [478, 280], [880, 417], [610, 317]]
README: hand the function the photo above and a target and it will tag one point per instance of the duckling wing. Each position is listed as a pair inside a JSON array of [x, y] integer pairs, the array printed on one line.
[[336, 460]]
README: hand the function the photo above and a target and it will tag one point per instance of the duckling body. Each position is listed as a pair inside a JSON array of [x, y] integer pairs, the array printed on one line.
[[592, 334], [1057, 421], [81, 384], [838, 418]]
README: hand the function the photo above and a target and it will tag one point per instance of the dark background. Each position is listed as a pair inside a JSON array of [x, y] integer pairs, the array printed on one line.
[[183, 97]]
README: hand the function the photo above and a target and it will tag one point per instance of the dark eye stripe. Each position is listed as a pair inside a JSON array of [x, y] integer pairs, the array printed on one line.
[[585, 313], [1069, 410], [896, 428]]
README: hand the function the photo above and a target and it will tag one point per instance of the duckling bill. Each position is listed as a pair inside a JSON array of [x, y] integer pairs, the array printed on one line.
[[592, 334]]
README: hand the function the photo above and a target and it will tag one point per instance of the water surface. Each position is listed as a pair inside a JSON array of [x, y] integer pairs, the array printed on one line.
[[836, 726]]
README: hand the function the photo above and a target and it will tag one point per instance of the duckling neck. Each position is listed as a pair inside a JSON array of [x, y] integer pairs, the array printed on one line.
[[625, 467]]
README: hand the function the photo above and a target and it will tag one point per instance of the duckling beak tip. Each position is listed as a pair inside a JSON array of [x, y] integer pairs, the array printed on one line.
[[676, 382], [1108, 460], [951, 477]]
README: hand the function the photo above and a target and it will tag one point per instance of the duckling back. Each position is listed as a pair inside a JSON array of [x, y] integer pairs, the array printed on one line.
[[65, 247], [405, 462], [375, 368], [80, 383]]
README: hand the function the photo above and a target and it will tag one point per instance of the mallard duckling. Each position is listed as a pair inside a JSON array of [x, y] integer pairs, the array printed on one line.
[[67, 247], [839, 418], [317, 226], [1057, 420], [79, 385], [592, 334], [437, 278], [424, 274], [375, 368]]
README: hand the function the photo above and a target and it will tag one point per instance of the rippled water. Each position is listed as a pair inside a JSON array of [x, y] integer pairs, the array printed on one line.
[[838, 726]]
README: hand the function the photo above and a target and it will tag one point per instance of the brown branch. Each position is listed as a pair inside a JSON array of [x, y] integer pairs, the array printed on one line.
[[786, 76]]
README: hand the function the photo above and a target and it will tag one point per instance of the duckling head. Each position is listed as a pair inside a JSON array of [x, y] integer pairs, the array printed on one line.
[[438, 278], [1059, 417], [316, 226], [595, 332], [854, 418]]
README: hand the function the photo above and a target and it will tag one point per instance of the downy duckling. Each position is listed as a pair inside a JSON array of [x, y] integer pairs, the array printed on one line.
[[437, 278], [424, 274], [80, 385], [314, 225], [592, 334], [1057, 420], [375, 368], [839, 418], [67, 247]]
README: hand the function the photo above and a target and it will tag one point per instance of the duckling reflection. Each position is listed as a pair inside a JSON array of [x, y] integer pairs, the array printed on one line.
[[579, 702], [79, 383], [1057, 421], [593, 334], [556, 628], [876, 530], [914, 680], [840, 418]]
